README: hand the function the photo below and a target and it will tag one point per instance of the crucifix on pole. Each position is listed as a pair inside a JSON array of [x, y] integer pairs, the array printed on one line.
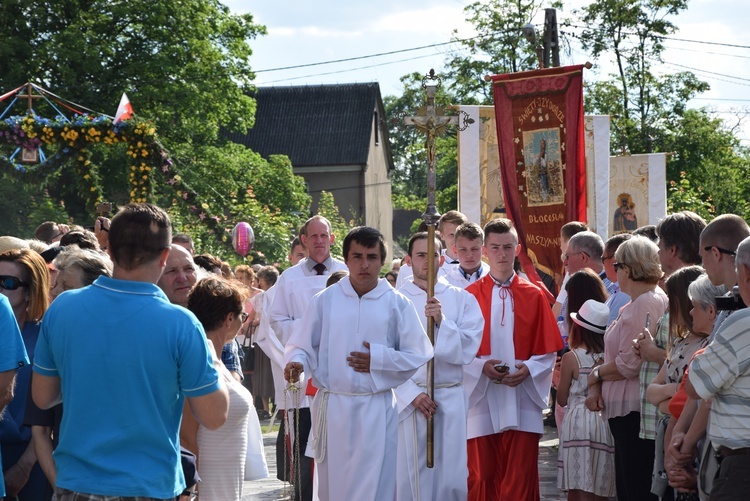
[[431, 121]]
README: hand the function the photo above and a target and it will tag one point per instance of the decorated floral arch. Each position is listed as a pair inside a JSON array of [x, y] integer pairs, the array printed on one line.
[[71, 140]]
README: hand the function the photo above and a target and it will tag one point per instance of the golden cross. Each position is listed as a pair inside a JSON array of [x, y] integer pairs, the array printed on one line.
[[430, 120]]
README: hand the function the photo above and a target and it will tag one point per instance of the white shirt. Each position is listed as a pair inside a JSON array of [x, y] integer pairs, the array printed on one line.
[[361, 412], [494, 408]]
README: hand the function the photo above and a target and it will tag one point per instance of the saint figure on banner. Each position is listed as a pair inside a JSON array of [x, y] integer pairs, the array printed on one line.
[[625, 219], [544, 177]]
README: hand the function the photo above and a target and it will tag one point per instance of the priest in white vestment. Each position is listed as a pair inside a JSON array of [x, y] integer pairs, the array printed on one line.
[[458, 332], [360, 338]]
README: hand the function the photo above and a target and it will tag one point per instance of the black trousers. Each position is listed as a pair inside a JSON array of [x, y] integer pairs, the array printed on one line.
[[303, 471], [634, 459], [732, 481]]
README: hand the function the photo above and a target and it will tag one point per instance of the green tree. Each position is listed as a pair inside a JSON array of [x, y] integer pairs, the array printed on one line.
[[185, 66], [709, 163], [499, 47], [641, 102]]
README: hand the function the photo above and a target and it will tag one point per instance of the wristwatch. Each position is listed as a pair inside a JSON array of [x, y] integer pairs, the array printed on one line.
[[595, 373]]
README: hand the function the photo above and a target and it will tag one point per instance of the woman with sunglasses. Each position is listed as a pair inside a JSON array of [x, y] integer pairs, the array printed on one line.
[[24, 280], [614, 386], [221, 453]]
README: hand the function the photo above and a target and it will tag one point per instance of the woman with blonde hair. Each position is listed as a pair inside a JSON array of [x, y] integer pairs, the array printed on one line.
[[24, 280], [614, 386]]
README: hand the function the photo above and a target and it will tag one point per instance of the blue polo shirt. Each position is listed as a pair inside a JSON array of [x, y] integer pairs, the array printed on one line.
[[12, 352], [126, 357]]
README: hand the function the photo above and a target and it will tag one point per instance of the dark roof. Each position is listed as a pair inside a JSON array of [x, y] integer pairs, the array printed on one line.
[[314, 125]]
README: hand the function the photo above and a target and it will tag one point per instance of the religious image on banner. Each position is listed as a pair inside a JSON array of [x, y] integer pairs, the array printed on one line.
[[625, 220], [539, 117], [480, 191], [637, 187], [544, 172], [489, 167]]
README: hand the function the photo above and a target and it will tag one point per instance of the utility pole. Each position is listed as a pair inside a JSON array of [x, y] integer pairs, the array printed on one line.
[[551, 45]]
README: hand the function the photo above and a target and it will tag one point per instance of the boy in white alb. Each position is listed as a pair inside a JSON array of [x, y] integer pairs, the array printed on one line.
[[458, 331], [359, 339]]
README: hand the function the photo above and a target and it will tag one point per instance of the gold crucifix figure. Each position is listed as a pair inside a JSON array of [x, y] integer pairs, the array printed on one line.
[[430, 120]]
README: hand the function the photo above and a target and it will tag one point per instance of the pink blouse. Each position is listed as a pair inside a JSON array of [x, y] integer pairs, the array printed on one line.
[[623, 397]]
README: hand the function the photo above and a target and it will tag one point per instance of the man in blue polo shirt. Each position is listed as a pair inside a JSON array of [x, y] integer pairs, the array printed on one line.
[[12, 353], [123, 358]]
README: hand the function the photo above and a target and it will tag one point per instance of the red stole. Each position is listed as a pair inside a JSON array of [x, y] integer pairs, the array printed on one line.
[[535, 330]]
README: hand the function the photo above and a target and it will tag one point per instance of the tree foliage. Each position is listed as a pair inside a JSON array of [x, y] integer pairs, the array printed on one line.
[[499, 47], [185, 67], [641, 102], [648, 107]]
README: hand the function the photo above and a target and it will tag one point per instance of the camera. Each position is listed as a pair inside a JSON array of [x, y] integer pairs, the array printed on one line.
[[730, 303]]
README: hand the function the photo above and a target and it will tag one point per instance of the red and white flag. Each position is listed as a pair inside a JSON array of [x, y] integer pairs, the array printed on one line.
[[124, 110]]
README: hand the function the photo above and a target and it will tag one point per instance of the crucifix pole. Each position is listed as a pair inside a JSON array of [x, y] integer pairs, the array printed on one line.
[[431, 121]]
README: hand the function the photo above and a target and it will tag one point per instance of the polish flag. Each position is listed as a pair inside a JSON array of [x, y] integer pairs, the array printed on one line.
[[124, 110]]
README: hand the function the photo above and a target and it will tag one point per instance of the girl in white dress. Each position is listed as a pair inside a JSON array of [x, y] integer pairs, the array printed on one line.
[[586, 461], [221, 453]]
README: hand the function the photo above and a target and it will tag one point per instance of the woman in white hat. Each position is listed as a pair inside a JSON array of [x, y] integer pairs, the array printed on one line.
[[586, 469]]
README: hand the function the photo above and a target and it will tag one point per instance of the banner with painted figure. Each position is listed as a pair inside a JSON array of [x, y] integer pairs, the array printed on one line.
[[480, 191], [539, 128], [637, 191]]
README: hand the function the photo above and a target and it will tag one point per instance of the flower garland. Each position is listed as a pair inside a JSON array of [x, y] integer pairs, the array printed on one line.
[[71, 140]]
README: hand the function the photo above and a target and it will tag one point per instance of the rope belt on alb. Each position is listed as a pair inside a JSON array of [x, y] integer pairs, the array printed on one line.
[[321, 422]]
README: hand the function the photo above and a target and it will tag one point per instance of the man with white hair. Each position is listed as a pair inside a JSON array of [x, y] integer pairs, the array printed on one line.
[[722, 373]]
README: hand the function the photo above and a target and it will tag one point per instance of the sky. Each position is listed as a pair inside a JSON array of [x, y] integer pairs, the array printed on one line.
[[715, 45]]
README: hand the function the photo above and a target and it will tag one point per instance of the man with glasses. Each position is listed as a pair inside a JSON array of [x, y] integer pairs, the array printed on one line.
[[717, 248], [585, 250], [721, 374]]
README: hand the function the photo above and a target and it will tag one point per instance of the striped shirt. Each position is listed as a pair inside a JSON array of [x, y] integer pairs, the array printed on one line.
[[722, 371]]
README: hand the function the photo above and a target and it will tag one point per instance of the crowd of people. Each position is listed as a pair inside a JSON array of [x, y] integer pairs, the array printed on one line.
[[166, 361]]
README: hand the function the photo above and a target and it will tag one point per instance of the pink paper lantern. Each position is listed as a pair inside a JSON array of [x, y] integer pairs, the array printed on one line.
[[243, 238]]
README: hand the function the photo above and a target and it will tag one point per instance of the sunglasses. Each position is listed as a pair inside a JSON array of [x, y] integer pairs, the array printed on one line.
[[617, 266], [721, 251], [11, 283], [243, 317]]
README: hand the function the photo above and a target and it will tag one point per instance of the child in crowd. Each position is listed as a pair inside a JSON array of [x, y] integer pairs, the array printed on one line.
[[586, 463]]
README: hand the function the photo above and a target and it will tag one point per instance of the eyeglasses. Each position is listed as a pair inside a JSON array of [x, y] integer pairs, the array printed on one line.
[[617, 266], [11, 283], [721, 251], [568, 256], [243, 317]]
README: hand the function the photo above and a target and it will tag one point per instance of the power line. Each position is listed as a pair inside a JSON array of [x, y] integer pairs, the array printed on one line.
[[380, 54], [719, 99], [672, 47], [665, 37], [698, 70], [347, 70]]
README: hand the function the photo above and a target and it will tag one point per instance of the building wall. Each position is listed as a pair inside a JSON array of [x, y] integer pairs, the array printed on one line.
[[379, 208], [342, 181]]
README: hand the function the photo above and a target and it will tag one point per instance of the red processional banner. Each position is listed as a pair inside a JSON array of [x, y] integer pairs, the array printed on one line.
[[541, 143]]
